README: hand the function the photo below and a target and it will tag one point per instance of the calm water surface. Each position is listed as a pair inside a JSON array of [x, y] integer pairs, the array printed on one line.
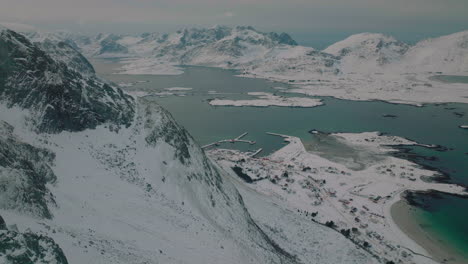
[[451, 78]]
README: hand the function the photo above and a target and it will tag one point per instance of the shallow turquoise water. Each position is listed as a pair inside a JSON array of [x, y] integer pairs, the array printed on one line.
[[445, 216], [431, 124], [451, 78]]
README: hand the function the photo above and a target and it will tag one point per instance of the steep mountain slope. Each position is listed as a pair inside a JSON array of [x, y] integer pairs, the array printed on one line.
[[110, 178], [62, 51]]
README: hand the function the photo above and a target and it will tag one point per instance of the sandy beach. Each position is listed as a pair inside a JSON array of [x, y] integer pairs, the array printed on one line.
[[405, 216]]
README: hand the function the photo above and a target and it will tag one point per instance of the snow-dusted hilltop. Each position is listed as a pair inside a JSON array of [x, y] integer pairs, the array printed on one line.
[[93, 175], [367, 51], [447, 54]]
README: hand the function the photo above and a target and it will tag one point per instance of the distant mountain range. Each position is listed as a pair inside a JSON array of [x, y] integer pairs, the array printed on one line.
[[247, 48]]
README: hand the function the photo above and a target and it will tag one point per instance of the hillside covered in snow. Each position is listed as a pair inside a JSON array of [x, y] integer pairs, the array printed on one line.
[[90, 174]]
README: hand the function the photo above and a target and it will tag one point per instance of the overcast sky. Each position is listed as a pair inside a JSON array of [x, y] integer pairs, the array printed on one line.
[[307, 20]]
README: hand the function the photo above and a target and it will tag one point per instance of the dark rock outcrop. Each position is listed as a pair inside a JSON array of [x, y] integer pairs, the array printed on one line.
[[58, 97], [23, 248]]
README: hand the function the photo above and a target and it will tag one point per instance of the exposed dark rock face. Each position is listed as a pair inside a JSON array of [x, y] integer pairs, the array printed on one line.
[[242, 174], [59, 97], [283, 38], [110, 45], [24, 172], [2, 224]]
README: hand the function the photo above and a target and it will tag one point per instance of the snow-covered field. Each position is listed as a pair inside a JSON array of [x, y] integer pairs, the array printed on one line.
[[148, 66], [178, 89], [268, 99], [355, 200]]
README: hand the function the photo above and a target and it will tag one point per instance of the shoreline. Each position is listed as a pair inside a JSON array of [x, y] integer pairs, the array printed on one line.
[[404, 216], [410, 241]]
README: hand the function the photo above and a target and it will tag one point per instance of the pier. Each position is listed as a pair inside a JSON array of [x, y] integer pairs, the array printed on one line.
[[234, 140], [277, 135], [256, 152]]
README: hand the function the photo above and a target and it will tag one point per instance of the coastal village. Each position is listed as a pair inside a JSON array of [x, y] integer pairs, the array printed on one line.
[[355, 203]]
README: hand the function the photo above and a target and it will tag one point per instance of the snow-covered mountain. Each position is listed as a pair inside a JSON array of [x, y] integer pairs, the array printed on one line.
[[93, 175], [219, 45], [59, 96], [114, 170], [368, 52], [240, 48]]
